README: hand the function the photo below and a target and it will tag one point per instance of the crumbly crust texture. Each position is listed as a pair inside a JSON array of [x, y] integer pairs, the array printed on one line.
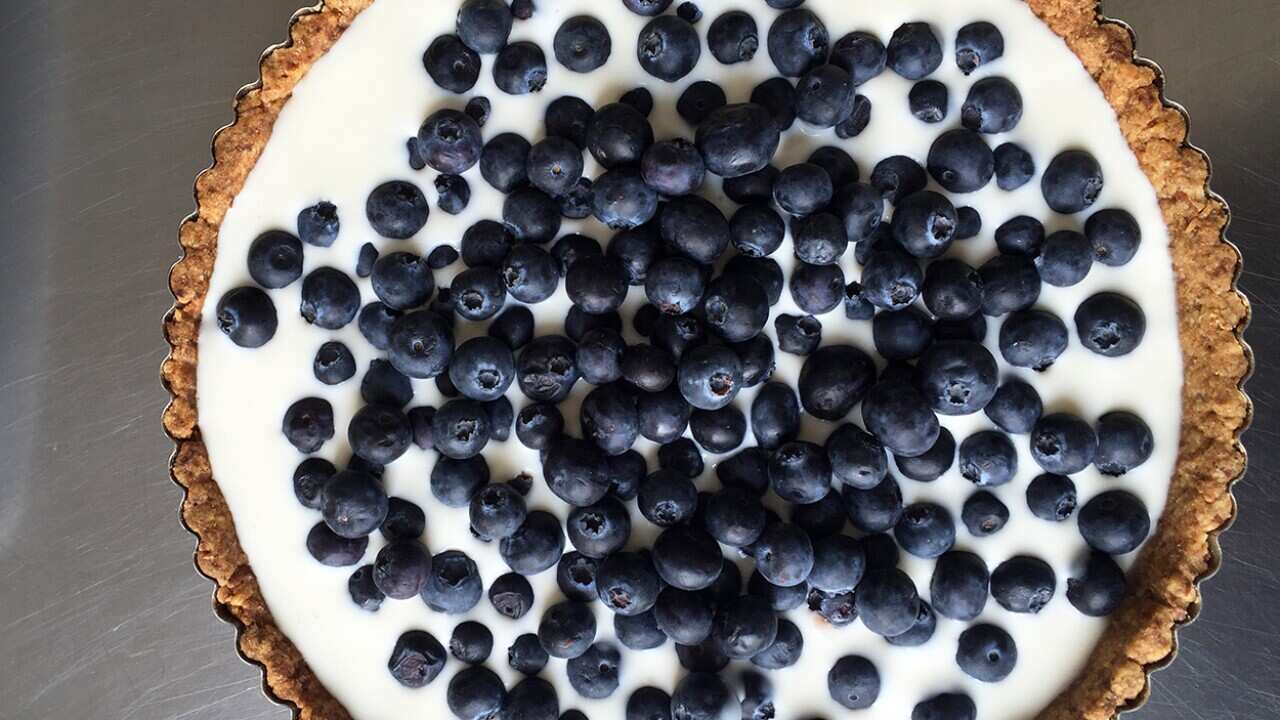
[[1212, 315]]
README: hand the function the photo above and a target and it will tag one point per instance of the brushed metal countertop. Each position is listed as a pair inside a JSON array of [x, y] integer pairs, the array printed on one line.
[[108, 107]]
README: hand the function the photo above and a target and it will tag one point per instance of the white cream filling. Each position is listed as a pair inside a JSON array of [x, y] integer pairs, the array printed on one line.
[[343, 132]]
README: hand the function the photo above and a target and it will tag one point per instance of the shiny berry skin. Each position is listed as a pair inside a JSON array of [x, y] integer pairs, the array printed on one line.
[[887, 602], [333, 550], [364, 593], [684, 616], [900, 418], [526, 655], [1023, 584], [1098, 591], [673, 167], [709, 377], [957, 377], [638, 632], [695, 228], [309, 479], [1032, 339], [401, 569], [756, 230], [455, 482], [1114, 235], [958, 589], [648, 703], [1065, 259], [817, 289], [993, 105], [824, 96], [497, 511], [532, 215], [838, 564], [924, 224], [599, 530], [1114, 522], [891, 280], [976, 45], [520, 68], [928, 101], [504, 161], [647, 7], [1009, 283], [1015, 407], [1051, 497], [698, 100], [627, 584], [1021, 235], [1063, 443], [921, 632], [800, 472], [833, 380], [402, 280], [983, 514], [961, 161], [798, 42], [853, 682], [330, 299], [275, 259], [898, 176], [247, 316], [1014, 166], [397, 209], [1072, 182], [451, 64], [988, 458], [668, 48], [737, 140], [567, 629], [536, 546], [902, 334], [546, 368], [925, 530], [622, 200], [784, 555], [1124, 442], [952, 289], [986, 652], [932, 463], [308, 424], [687, 558], [1110, 324], [379, 434], [914, 51], [735, 308], [555, 165], [618, 134], [733, 37], [354, 504], [857, 457], [417, 659], [703, 696], [475, 693], [449, 141], [582, 44]]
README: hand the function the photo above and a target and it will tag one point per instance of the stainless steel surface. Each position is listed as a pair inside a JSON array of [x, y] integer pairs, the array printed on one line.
[[108, 109]]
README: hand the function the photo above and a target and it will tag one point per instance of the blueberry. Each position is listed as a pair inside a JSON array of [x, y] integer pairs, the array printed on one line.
[[703, 696], [421, 344], [747, 470], [536, 546], [817, 289], [924, 224], [957, 377], [735, 308], [402, 280], [497, 511], [718, 431], [699, 100], [925, 530], [780, 599], [952, 289], [766, 272], [921, 631], [567, 629], [1124, 443], [647, 7], [401, 569], [649, 368], [576, 471], [451, 64], [784, 555], [1023, 584], [778, 96], [1114, 522], [648, 703], [367, 256], [673, 167], [484, 25], [318, 224], [709, 376], [960, 161], [450, 142], [897, 177], [824, 96], [1063, 443], [569, 117], [520, 68], [582, 44], [932, 463], [664, 415], [460, 429], [854, 682], [958, 589], [532, 215], [856, 304], [546, 369], [886, 601], [379, 434], [1033, 339], [968, 223], [1114, 235], [329, 300], [744, 627], [275, 259], [988, 458], [417, 659], [972, 328], [455, 482], [775, 415], [668, 48], [475, 693], [577, 202], [555, 165], [928, 101], [627, 584], [504, 161], [687, 558], [857, 120], [861, 54], [538, 424], [798, 42], [375, 322], [600, 529], [800, 472], [618, 134], [1065, 258], [733, 37], [756, 230], [737, 140], [892, 280], [1110, 324], [838, 564], [526, 655], [247, 316], [1051, 497], [752, 188], [802, 189], [983, 514], [993, 105], [453, 585], [900, 417], [530, 274], [354, 504], [309, 479], [1022, 235], [1009, 283], [946, 706], [695, 228], [986, 652], [1100, 587], [598, 285], [638, 632], [857, 458], [734, 517], [441, 257], [308, 424], [1072, 182], [1014, 166], [1015, 408], [532, 699], [502, 415], [639, 98], [364, 593], [333, 550], [902, 334], [684, 616], [913, 51], [674, 285], [578, 322], [599, 356], [978, 44]]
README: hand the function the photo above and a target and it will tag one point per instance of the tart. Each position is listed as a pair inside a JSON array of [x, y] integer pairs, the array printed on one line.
[[329, 120]]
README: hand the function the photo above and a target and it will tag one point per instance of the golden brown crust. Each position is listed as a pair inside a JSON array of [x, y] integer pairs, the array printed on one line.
[[1212, 314]]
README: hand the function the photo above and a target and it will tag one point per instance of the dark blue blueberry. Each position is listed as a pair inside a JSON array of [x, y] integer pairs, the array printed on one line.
[[625, 473], [1063, 443], [537, 425], [993, 105], [775, 415], [421, 344], [333, 550], [397, 209], [638, 632], [379, 434], [986, 652], [668, 47], [673, 167], [1021, 235], [800, 472], [887, 601], [375, 322], [476, 692], [1065, 258], [838, 564], [972, 328], [817, 289], [925, 530], [752, 188], [778, 96], [921, 632], [1072, 182], [1032, 339], [1114, 235], [735, 308], [1114, 522], [897, 177], [900, 417], [597, 285], [988, 458], [709, 376], [837, 609], [621, 199], [734, 517], [627, 583], [484, 25], [748, 470], [364, 593], [1009, 283], [569, 117], [309, 479], [1110, 324], [861, 54], [952, 290], [479, 109], [577, 202], [536, 546], [858, 119], [681, 456], [1023, 584], [318, 224], [275, 259], [856, 304], [737, 140], [520, 68], [699, 100], [802, 189], [684, 616], [599, 530], [1052, 497], [639, 98], [779, 598], [420, 419], [833, 380], [365, 260], [647, 8], [957, 377], [416, 659], [1124, 443], [576, 471], [861, 208], [460, 429], [928, 101], [647, 367], [857, 458], [555, 165], [961, 161], [502, 415], [924, 224], [576, 576], [532, 215], [798, 42], [579, 322], [648, 703], [764, 271], [968, 223], [478, 293], [402, 280], [1014, 166], [526, 655], [756, 230], [891, 280], [914, 51], [247, 316], [838, 164], [582, 44], [497, 511], [784, 554], [983, 514], [744, 627], [824, 96], [599, 356], [354, 504], [932, 463], [329, 300], [567, 629], [1015, 407], [675, 285], [976, 45], [958, 589], [449, 141], [902, 334], [504, 161], [718, 431], [401, 569], [1101, 586], [703, 696], [695, 228], [733, 37], [854, 682], [533, 698], [618, 134], [946, 706], [664, 415], [441, 257], [451, 64], [530, 274], [456, 482], [308, 424]]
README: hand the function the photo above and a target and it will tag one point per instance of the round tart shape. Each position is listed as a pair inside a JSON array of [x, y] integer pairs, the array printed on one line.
[[224, 417]]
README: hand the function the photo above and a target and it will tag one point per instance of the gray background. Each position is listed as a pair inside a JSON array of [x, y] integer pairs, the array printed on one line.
[[108, 107]]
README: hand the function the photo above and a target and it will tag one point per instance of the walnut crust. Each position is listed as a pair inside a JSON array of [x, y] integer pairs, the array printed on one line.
[[1212, 315]]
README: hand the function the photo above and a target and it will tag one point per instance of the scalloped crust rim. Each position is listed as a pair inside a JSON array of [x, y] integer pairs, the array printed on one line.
[[1212, 315]]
